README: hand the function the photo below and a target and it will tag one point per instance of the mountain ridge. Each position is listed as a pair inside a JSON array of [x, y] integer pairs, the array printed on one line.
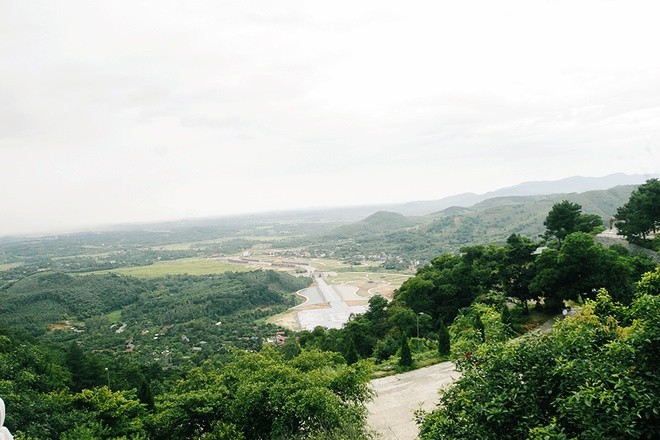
[[574, 184]]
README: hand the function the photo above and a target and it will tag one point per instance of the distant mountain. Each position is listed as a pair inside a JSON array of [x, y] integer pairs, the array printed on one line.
[[448, 230], [429, 206], [377, 223], [576, 184]]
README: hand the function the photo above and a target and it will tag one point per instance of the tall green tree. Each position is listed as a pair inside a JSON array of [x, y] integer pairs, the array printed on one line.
[[291, 348], [566, 217], [444, 344], [517, 270], [581, 267], [405, 359], [562, 219], [640, 216], [85, 368]]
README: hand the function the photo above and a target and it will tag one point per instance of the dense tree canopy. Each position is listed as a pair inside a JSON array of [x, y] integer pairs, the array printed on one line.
[[132, 371], [581, 267], [593, 378], [246, 396], [263, 396]]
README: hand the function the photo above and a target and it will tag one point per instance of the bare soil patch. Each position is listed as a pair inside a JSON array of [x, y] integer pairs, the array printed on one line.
[[288, 319]]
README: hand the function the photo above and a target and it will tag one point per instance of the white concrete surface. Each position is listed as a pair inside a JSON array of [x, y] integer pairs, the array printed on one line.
[[334, 316], [391, 413]]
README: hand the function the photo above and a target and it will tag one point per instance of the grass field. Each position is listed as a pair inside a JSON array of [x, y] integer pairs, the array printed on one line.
[[176, 246], [114, 316], [8, 266], [190, 266]]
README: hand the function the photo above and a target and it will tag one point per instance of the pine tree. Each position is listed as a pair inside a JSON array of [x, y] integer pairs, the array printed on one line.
[[351, 354], [406, 357], [444, 344]]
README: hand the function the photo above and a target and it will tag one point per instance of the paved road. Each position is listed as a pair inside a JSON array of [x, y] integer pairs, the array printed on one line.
[[391, 411], [335, 316]]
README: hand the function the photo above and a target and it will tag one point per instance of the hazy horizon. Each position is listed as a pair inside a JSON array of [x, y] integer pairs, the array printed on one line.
[[135, 112], [303, 209]]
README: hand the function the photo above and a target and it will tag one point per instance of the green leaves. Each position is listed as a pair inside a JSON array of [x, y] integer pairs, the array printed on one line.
[[262, 395], [641, 214], [593, 377], [562, 219]]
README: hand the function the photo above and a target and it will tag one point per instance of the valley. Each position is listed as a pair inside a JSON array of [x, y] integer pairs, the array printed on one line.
[[204, 325]]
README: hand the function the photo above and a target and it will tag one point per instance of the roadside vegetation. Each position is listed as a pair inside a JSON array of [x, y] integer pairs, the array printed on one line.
[[108, 356]]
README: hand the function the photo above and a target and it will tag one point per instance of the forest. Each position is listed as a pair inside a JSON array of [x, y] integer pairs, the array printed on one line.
[[196, 367]]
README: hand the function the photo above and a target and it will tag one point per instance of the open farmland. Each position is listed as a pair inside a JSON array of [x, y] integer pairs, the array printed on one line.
[[190, 266]]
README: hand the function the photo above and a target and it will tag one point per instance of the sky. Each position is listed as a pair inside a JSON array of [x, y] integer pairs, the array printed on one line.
[[146, 110]]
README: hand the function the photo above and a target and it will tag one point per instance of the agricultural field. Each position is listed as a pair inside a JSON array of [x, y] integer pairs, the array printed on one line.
[[185, 266]]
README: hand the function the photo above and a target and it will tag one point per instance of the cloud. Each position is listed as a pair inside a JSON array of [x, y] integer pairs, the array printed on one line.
[[120, 111]]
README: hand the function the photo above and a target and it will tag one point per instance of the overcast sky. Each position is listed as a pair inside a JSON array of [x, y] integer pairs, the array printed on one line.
[[118, 111]]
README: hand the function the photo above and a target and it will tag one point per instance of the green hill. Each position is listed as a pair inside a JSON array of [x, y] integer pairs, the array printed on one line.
[[169, 313], [492, 220], [378, 223]]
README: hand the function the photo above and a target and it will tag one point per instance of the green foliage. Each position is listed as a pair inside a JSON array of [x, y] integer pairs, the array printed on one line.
[[580, 268], [405, 357], [649, 284], [593, 377], [517, 268], [507, 319], [85, 368], [566, 217], [351, 354], [444, 343], [262, 395], [385, 348], [472, 327], [479, 327], [161, 315], [452, 282], [640, 216], [291, 348], [562, 219], [108, 413]]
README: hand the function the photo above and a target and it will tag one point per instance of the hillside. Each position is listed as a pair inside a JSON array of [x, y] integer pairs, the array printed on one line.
[[392, 236], [171, 314], [576, 184], [377, 223]]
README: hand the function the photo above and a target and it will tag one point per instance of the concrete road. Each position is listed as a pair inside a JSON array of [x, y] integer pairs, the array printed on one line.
[[334, 316], [391, 411]]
